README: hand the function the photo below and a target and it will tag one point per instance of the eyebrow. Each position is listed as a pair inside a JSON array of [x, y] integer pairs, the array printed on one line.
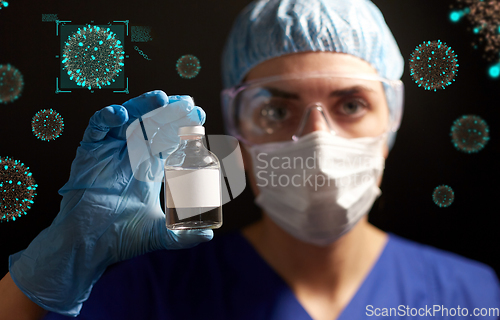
[[336, 93]]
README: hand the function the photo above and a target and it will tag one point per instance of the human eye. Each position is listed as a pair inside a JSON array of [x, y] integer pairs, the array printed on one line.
[[352, 107], [275, 111]]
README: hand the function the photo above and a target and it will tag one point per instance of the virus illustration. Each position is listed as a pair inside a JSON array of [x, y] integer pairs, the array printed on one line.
[[11, 83], [443, 196], [484, 18], [188, 66], [141, 34], [17, 189], [433, 65], [46, 17], [47, 125], [93, 57], [469, 134], [3, 4]]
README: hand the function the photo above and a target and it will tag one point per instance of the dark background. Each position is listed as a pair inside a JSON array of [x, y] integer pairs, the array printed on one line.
[[423, 156]]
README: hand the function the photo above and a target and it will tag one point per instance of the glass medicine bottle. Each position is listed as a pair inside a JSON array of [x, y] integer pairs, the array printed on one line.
[[193, 198]]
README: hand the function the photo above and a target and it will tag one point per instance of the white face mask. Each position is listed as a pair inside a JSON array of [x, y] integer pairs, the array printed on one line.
[[319, 187]]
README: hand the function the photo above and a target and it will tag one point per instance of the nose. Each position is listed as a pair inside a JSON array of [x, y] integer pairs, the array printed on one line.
[[314, 120]]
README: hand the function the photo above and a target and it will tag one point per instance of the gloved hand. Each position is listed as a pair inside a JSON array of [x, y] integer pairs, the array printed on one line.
[[106, 214]]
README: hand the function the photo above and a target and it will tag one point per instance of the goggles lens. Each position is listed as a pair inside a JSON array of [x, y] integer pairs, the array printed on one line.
[[283, 109]]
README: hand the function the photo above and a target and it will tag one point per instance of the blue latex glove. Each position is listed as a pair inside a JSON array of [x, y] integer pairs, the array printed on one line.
[[106, 214]]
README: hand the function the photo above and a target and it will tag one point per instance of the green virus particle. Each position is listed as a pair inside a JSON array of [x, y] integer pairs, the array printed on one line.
[[188, 66], [93, 57], [3, 4], [47, 125], [494, 71], [469, 134], [456, 15], [17, 189], [443, 196], [11, 83], [433, 65]]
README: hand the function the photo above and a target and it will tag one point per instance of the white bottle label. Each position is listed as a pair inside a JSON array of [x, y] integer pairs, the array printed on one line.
[[193, 188]]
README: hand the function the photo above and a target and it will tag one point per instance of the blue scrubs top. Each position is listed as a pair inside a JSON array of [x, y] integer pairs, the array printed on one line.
[[226, 279]]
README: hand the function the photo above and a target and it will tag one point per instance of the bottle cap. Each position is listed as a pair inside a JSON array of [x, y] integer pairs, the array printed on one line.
[[191, 130]]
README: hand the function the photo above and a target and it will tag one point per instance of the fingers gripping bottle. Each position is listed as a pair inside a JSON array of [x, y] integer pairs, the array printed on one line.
[[193, 197]]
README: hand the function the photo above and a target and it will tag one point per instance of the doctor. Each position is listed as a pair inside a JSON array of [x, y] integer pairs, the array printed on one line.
[[313, 94]]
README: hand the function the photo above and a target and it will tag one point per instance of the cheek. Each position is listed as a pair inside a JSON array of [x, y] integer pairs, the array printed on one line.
[[386, 154], [371, 125], [377, 122]]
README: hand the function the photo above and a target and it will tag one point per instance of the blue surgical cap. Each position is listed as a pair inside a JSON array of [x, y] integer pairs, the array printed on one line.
[[267, 29]]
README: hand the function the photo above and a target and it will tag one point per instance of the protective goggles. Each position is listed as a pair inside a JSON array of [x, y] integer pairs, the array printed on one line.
[[280, 108]]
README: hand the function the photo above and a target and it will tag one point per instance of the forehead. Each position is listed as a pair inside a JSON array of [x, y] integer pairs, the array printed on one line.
[[318, 87], [304, 62]]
